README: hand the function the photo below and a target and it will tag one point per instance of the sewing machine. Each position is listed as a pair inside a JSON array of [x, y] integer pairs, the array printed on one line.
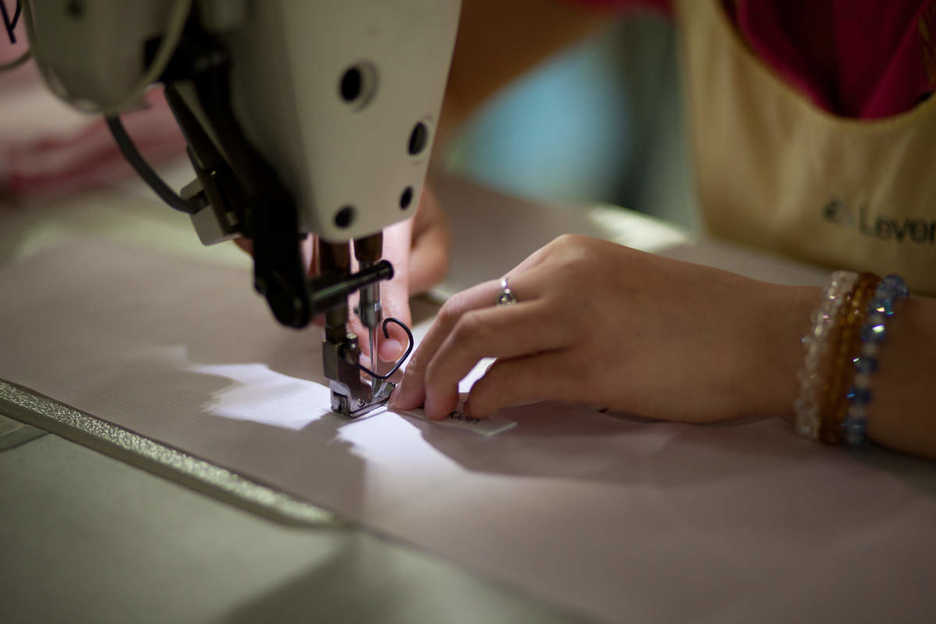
[[301, 117]]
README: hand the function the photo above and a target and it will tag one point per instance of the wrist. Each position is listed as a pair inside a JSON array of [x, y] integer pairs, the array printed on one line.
[[901, 414], [782, 318]]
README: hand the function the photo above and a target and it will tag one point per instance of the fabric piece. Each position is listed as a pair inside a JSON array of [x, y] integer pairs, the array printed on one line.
[[457, 419], [621, 519]]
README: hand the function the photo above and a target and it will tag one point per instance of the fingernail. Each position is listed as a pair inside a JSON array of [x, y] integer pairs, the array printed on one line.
[[390, 350]]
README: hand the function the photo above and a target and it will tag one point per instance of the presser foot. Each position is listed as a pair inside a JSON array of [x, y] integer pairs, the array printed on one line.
[[355, 407], [351, 396]]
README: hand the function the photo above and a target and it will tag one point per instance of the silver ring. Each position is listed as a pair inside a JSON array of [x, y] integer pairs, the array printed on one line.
[[506, 296]]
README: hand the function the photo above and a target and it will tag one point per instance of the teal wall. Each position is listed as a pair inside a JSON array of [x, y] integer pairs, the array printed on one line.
[[601, 121]]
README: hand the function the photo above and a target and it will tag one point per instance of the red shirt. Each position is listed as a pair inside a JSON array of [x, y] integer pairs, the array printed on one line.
[[855, 58]]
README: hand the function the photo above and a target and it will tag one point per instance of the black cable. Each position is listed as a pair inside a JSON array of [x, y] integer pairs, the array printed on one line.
[[7, 22], [411, 342], [139, 164]]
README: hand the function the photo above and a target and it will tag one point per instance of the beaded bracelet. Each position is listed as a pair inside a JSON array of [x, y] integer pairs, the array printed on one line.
[[846, 346], [889, 291], [816, 345]]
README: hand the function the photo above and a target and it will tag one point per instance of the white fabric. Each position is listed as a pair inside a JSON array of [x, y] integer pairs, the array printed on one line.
[[625, 520]]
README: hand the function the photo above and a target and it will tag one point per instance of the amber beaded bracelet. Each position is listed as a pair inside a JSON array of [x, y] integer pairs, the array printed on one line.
[[847, 343], [835, 378]]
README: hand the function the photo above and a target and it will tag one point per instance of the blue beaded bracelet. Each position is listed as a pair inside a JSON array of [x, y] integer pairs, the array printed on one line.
[[889, 291]]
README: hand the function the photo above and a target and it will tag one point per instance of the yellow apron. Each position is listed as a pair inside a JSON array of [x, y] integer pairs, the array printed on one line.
[[775, 171]]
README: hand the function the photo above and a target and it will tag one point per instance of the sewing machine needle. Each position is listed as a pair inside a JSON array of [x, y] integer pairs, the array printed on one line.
[[373, 356]]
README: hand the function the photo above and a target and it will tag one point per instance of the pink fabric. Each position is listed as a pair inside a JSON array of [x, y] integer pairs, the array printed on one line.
[[855, 58], [61, 161], [45, 148]]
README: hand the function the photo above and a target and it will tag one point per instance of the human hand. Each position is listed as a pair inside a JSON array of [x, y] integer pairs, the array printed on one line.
[[600, 324], [418, 248]]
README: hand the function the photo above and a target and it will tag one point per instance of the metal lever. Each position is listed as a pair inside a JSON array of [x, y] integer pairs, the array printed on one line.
[[331, 290]]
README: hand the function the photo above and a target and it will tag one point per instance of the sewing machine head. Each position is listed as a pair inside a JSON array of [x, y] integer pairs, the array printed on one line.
[[301, 117]]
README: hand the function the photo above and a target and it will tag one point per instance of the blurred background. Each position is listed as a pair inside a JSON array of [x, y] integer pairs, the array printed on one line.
[[599, 122]]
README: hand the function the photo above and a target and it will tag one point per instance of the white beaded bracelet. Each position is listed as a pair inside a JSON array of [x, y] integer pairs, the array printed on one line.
[[816, 345]]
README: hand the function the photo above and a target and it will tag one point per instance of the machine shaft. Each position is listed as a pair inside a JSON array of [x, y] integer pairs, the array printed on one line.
[[368, 251]]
